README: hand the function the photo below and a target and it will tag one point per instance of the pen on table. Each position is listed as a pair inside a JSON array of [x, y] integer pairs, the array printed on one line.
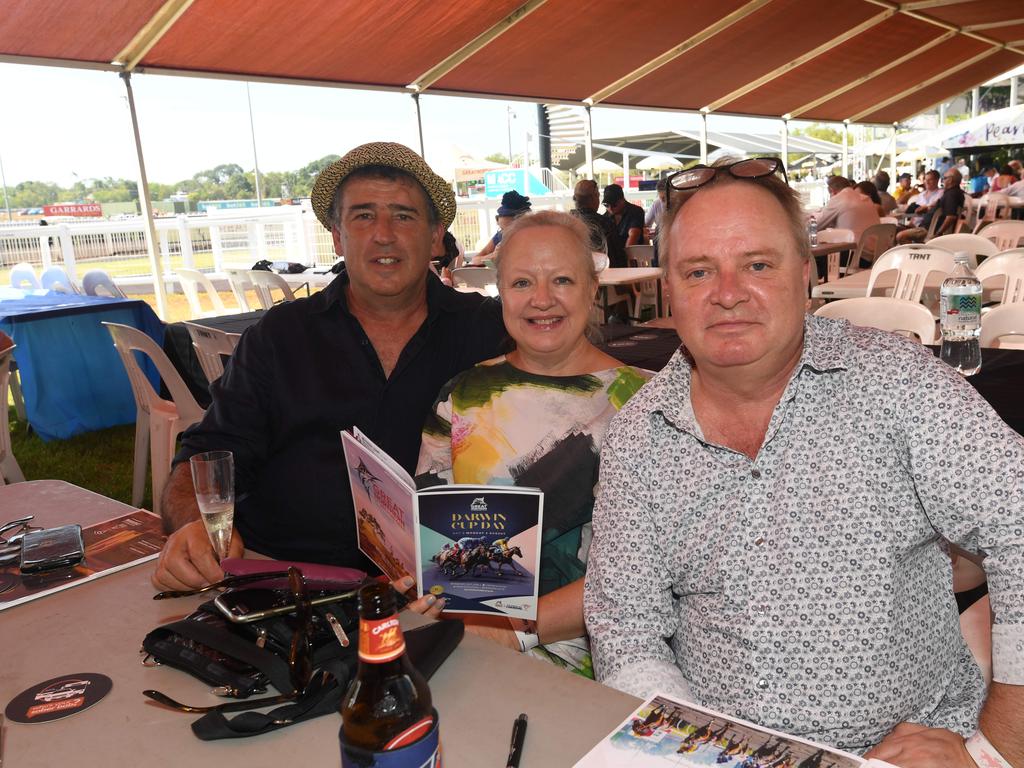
[[515, 747]]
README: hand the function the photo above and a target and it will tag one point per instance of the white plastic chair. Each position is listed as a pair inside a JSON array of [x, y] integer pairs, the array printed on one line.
[[996, 206], [913, 264], [973, 245], [10, 472], [1006, 234], [265, 283], [480, 278], [96, 282], [1003, 274], [645, 294], [56, 279], [239, 281], [896, 315], [874, 241], [210, 344], [23, 276], [158, 422], [192, 281], [1003, 327]]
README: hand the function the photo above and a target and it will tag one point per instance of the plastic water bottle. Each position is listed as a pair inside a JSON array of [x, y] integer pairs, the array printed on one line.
[[812, 231], [960, 316]]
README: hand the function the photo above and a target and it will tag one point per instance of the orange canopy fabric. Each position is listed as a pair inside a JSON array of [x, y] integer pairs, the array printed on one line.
[[861, 60]]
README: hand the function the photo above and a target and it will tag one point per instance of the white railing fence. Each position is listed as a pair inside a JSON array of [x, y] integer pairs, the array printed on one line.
[[218, 239]]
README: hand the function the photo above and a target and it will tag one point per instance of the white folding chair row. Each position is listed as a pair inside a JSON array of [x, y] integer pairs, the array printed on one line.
[[1003, 327], [210, 344], [887, 314], [1006, 234], [10, 472], [996, 206], [158, 422], [96, 282]]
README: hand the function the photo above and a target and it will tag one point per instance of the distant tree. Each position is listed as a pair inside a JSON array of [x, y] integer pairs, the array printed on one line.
[[497, 157], [823, 132]]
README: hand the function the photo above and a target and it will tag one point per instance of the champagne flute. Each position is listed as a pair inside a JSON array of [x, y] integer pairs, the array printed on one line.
[[213, 476]]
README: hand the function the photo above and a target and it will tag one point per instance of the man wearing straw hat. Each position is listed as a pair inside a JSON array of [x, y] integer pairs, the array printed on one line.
[[371, 350]]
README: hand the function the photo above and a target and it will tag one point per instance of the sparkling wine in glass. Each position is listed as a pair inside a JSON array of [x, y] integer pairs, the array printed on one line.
[[213, 475]]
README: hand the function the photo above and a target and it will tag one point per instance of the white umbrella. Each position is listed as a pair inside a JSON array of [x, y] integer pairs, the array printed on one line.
[[601, 166], [657, 162]]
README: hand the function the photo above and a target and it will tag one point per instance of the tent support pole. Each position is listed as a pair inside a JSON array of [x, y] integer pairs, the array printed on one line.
[[255, 159], [3, 180], [785, 146], [846, 148], [1013, 91], [147, 207], [419, 124], [703, 136], [589, 147], [892, 156]]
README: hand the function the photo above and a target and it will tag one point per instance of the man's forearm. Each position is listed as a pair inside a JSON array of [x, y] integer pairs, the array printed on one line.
[[1000, 721], [178, 506]]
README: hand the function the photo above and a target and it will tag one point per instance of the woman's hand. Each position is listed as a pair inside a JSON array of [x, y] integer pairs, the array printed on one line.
[[428, 605]]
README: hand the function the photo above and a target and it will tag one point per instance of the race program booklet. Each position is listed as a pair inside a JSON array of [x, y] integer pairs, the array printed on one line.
[[476, 546], [666, 732]]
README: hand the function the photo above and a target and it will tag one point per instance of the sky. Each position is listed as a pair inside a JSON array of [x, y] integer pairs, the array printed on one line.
[[62, 124]]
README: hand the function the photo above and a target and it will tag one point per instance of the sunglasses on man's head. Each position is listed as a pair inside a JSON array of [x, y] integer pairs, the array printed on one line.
[[751, 168]]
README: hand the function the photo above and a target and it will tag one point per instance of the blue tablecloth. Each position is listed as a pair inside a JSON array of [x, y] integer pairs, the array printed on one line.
[[71, 375]]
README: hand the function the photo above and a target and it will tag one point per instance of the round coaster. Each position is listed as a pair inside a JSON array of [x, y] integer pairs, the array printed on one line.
[[7, 581], [59, 697]]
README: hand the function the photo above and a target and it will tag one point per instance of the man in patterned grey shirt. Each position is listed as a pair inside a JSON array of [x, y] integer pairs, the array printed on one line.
[[769, 537]]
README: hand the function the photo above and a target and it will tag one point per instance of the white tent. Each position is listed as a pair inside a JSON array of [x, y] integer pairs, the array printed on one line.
[[993, 129], [657, 162]]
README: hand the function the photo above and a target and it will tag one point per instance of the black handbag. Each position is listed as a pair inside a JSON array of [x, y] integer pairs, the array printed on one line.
[[242, 660]]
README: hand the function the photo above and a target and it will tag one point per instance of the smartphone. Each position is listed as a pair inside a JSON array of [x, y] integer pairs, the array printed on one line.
[[52, 548]]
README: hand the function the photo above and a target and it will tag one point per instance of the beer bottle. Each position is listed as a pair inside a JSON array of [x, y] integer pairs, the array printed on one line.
[[388, 703]]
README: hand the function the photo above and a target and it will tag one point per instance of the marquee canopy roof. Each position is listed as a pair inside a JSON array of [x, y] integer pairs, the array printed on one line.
[[861, 60]]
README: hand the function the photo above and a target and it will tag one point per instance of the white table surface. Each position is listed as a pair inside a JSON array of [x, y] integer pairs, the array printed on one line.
[[99, 626]]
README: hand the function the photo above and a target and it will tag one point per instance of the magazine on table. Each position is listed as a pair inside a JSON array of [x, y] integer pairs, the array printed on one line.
[[665, 732], [110, 546], [477, 546]]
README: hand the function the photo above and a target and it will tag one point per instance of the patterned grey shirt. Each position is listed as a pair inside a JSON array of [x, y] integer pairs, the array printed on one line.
[[810, 589]]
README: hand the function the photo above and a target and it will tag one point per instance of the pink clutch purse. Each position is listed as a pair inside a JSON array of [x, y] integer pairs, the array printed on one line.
[[317, 576]]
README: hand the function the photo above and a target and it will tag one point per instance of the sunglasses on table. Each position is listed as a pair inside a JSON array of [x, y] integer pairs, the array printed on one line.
[[752, 168]]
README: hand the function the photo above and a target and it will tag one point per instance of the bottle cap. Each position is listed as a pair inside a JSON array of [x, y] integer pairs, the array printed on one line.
[[961, 257]]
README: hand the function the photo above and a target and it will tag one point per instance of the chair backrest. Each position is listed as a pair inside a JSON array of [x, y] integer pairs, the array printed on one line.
[[968, 215], [265, 283], [836, 236], [974, 245], [96, 282], [897, 315], [640, 255], [239, 281], [56, 279], [23, 276], [874, 241], [1003, 322], [127, 341], [913, 264], [1006, 234], [192, 281], [475, 277], [1004, 272], [996, 204], [210, 344]]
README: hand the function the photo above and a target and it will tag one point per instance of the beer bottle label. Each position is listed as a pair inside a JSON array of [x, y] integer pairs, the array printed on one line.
[[380, 640], [420, 748]]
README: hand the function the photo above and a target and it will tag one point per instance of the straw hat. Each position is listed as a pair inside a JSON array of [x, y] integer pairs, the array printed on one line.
[[391, 155]]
